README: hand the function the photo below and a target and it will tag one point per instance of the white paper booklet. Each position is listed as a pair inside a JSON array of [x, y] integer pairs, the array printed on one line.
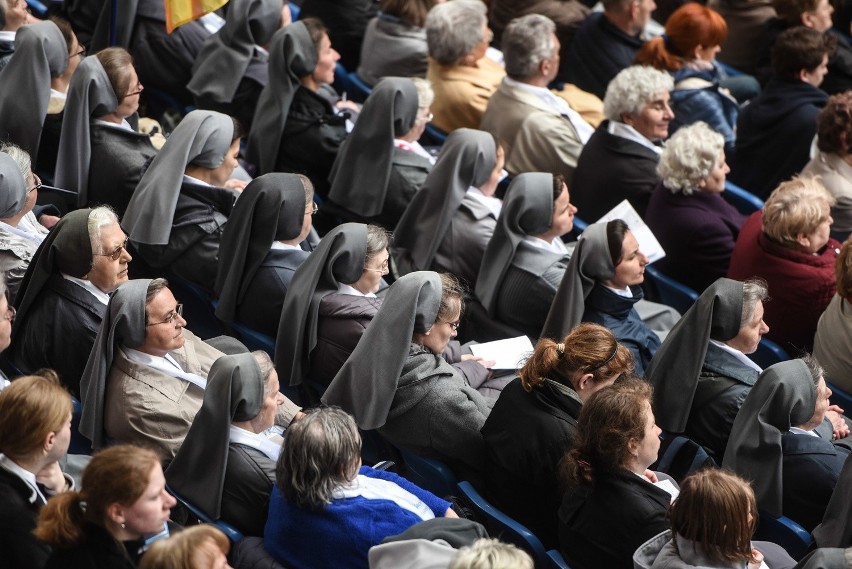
[[510, 353], [648, 244]]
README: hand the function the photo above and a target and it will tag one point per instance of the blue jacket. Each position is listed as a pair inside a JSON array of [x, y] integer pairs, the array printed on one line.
[[699, 99]]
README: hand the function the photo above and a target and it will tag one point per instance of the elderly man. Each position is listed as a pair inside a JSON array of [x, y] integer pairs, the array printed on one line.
[[65, 292], [146, 375], [541, 131], [13, 15], [620, 160]]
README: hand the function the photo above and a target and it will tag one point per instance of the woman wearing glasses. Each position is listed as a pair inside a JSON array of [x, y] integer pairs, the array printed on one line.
[[261, 249]]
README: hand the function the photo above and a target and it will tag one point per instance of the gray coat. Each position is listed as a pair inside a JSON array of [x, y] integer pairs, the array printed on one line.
[[461, 251]]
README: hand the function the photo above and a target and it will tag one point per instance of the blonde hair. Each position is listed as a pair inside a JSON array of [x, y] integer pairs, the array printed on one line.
[[487, 553], [796, 206], [181, 550], [31, 408]]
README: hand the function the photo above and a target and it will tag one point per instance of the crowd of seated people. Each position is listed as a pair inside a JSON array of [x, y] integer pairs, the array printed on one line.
[[358, 325]]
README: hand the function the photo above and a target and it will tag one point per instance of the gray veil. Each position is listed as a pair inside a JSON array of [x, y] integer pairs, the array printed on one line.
[[13, 188]]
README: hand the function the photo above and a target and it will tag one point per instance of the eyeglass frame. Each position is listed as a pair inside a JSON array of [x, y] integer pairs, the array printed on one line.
[[38, 184], [115, 254], [313, 211], [384, 269], [454, 325], [81, 53], [139, 90], [178, 311]]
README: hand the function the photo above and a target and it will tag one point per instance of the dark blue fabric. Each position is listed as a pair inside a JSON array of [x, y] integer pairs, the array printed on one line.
[[707, 104], [261, 306]]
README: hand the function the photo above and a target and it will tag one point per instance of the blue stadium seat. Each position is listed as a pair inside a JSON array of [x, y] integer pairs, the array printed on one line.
[[37, 8], [233, 534], [785, 532], [840, 397], [580, 225], [503, 527], [433, 136], [556, 560], [746, 202], [294, 11], [253, 339], [360, 90], [197, 308], [768, 353], [429, 473], [671, 292], [79, 443]]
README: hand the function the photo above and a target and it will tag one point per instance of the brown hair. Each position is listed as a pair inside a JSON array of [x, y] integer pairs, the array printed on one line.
[[316, 29], [66, 30], [452, 293], [558, 182], [118, 474], [791, 10], [843, 270], [411, 12], [116, 62], [834, 125], [615, 232], [154, 288], [690, 26], [31, 408], [239, 131], [800, 48], [588, 348], [713, 510], [609, 420], [181, 549]]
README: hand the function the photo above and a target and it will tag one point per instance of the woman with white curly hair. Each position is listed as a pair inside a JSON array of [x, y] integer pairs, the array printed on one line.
[[687, 213]]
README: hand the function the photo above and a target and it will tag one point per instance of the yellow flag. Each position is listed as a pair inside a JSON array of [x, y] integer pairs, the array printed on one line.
[[179, 12]]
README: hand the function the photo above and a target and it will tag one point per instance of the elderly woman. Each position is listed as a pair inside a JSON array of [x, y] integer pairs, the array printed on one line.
[[620, 159], [322, 492], [196, 547], [64, 295], [702, 373], [451, 219], [834, 329], [610, 491], [395, 41], [788, 245], [407, 390], [177, 213], [694, 224], [694, 34], [534, 422], [525, 259], [35, 429], [230, 71], [226, 467], [773, 442], [833, 162], [297, 127], [462, 76], [101, 155], [261, 249], [380, 165], [122, 502]]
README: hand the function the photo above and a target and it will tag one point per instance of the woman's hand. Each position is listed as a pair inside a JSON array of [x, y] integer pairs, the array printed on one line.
[[48, 221], [651, 475], [235, 184], [833, 414], [51, 477], [758, 556], [450, 513], [481, 361]]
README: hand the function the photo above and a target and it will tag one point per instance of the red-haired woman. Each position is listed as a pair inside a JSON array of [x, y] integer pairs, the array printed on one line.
[[688, 50]]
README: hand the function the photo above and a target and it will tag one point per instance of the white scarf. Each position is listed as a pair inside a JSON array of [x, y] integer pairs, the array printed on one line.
[[378, 489], [255, 441], [167, 365]]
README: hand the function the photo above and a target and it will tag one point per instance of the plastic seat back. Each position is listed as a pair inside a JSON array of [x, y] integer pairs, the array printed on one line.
[[233, 534], [768, 353], [672, 293], [785, 532], [429, 473], [746, 202]]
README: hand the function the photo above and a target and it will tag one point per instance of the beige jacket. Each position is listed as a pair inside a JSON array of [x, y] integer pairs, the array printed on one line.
[[836, 175], [462, 93]]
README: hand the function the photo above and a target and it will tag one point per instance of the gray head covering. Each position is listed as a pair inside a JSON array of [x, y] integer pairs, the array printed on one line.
[[527, 210], [225, 56], [360, 174], [366, 384], [13, 187], [40, 53], [292, 55], [90, 94], [590, 262], [271, 208], [122, 25], [783, 396], [467, 159], [234, 393], [675, 368], [124, 324], [202, 138], [339, 258]]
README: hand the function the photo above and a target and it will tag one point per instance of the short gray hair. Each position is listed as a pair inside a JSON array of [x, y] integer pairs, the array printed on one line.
[[308, 186], [99, 217], [527, 41], [425, 94], [264, 362], [154, 288], [814, 367], [633, 88], [489, 553], [377, 240], [322, 453], [754, 290], [690, 155], [453, 29], [19, 155]]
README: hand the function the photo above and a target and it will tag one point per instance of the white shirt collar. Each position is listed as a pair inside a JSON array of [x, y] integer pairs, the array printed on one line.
[[100, 295], [7, 36], [23, 232], [30, 478], [560, 105], [556, 246], [495, 205], [625, 292], [167, 364], [616, 128], [192, 180], [54, 94], [279, 246], [741, 357], [123, 126], [256, 441], [798, 431], [347, 289], [414, 147]]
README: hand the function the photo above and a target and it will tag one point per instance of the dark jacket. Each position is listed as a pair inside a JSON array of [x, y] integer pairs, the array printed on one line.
[[408, 172], [698, 233], [617, 313], [610, 169], [48, 146], [811, 468], [261, 306], [59, 332], [598, 52], [119, 158], [246, 97], [98, 550], [774, 134], [312, 136], [7, 50], [342, 320], [696, 97], [18, 517], [526, 435], [602, 525], [249, 477], [723, 384]]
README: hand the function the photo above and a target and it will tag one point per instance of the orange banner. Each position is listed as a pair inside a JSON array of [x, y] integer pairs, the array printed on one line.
[[179, 12]]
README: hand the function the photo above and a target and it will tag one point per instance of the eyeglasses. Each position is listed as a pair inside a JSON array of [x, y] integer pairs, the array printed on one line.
[[37, 186], [427, 117], [81, 53], [139, 89], [453, 325], [384, 268], [313, 211], [170, 319], [115, 253], [10, 314]]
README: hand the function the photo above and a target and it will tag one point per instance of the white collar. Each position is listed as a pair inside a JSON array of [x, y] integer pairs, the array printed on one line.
[[798, 431], [414, 147], [494, 205], [556, 246], [347, 289], [196, 181], [558, 104], [7, 36], [741, 357], [379, 489], [54, 94], [262, 50], [616, 128], [279, 246], [30, 224], [213, 22], [624, 292], [123, 126], [255, 441], [13, 468], [99, 295], [167, 364], [23, 232]]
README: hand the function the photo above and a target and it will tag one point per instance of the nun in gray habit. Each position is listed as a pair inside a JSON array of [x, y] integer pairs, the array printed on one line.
[[371, 178], [40, 53], [413, 397], [230, 72], [226, 471], [446, 227], [254, 274], [118, 151], [176, 223], [793, 470]]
